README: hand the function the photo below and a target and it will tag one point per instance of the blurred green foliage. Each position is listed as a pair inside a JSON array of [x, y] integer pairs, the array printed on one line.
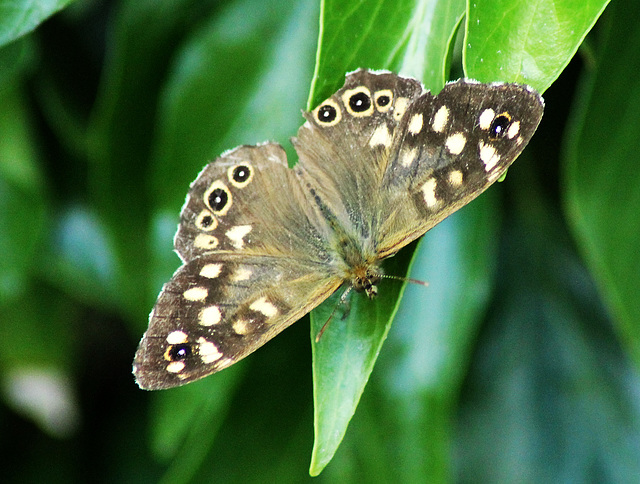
[[519, 362]]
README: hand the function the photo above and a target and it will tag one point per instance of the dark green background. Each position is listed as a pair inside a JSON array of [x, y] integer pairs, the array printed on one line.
[[519, 362]]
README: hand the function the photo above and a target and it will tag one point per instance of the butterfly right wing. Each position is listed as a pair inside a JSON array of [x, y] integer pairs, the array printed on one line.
[[447, 150]]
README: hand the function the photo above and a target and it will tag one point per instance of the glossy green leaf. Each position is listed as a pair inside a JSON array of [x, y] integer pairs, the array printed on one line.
[[18, 18], [517, 27], [603, 182], [343, 360], [345, 356], [411, 37], [529, 42], [419, 369]]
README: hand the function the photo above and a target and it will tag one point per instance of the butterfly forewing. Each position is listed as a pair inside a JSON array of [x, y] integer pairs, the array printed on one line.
[[448, 149], [248, 201], [343, 147], [216, 309]]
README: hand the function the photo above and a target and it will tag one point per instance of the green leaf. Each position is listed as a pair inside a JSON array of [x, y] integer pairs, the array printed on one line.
[[18, 18], [332, 412], [407, 36], [343, 360], [345, 356], [528, 42], [603, 199]]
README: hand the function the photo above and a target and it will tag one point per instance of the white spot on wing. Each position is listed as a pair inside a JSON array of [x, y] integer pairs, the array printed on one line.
[[208, 351], [415, 125], [196, 294], [241, 326], [175, 366], [210, 315], [177, 337], [488, 155], [486, 118], [242, 273], [204, 241], [211, 271], [400, 107], [440, 119], [455, 178], [380, 136], [263, 306], [408, 156], [455, 143], [429, 192], [236, 235], [513, 130]]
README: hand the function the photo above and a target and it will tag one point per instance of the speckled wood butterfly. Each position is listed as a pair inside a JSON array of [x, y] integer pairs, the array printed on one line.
[[380, 163]]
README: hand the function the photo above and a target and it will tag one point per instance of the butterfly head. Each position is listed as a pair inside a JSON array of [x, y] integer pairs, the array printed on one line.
[[365, 279]]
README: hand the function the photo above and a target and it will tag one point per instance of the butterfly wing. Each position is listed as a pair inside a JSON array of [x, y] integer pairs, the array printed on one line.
[[389, 161], [343, 148], [255, 262], [249, 202], [217, 309], [447, 150]]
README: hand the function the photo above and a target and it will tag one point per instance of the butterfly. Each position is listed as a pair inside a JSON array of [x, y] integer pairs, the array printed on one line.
[[380, 163]]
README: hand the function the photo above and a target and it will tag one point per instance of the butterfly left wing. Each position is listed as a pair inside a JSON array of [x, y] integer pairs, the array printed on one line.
[[447, 150], [255, 261]]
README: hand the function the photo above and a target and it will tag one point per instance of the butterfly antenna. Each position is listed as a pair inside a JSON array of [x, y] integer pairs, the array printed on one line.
[[340, 303], [405, 279]]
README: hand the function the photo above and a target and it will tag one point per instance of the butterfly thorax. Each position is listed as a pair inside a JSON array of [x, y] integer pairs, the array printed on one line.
[[359, 263]]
